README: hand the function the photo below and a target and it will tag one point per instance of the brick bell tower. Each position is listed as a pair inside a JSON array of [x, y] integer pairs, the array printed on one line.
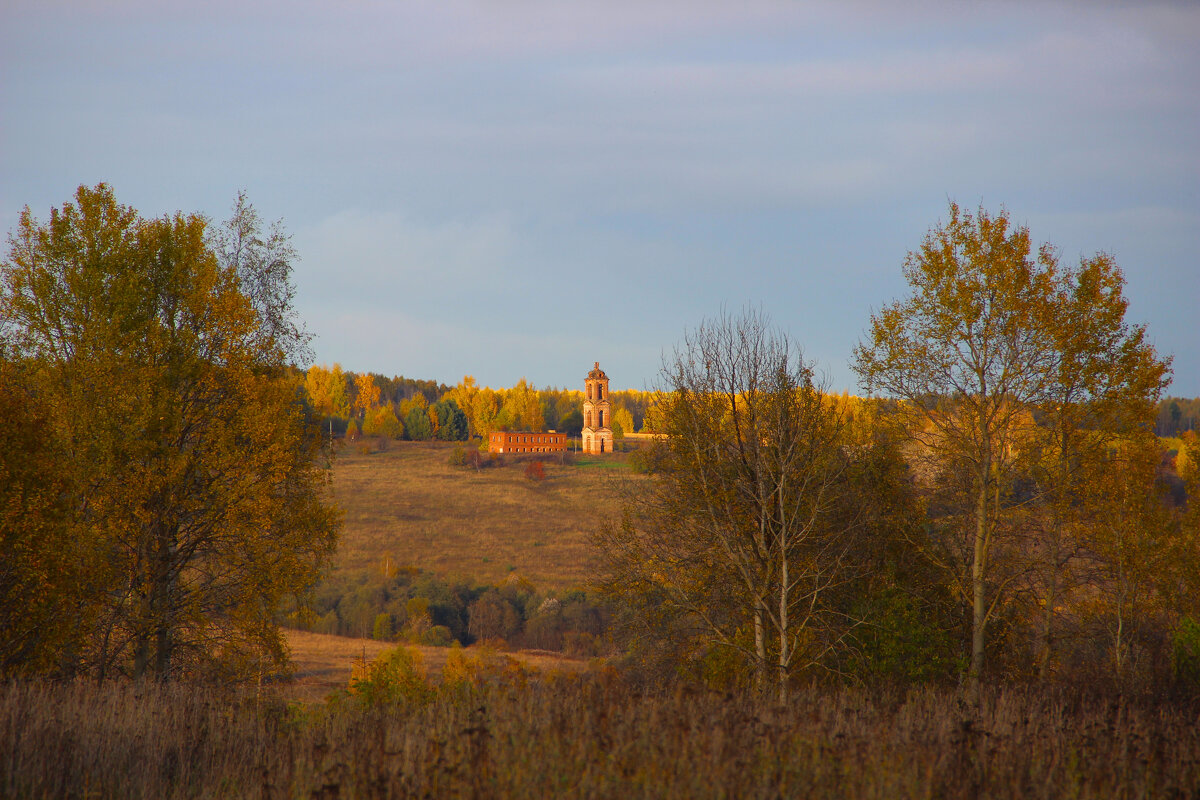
[[597, 422]]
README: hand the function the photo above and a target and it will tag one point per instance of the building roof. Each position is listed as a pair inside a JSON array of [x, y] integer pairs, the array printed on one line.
[[597, 372]]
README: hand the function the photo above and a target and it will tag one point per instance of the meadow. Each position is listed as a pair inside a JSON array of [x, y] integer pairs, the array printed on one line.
[[406, 506]]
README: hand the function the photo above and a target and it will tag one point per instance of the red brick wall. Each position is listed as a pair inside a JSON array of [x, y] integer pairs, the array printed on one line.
[[526, 442]]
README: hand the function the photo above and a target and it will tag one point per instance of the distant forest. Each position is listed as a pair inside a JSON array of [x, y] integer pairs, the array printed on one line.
[[1177, 415], [1173, 417]]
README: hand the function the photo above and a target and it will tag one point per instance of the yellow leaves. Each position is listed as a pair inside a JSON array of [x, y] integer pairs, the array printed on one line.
[[383, 421], [366, 393], [326, 389], [187, 460]]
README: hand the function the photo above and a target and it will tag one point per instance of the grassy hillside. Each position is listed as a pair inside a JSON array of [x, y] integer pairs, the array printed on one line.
[[408, 507]]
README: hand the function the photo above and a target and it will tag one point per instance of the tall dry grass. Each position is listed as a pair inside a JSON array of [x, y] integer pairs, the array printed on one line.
[[579, 736]]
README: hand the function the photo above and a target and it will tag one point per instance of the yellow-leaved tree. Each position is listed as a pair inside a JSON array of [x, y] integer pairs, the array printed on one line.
[[163, 355], [1007, 368], [366, 393]]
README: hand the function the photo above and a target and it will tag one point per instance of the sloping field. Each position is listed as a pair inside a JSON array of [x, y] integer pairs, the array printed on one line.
[[407, 506]]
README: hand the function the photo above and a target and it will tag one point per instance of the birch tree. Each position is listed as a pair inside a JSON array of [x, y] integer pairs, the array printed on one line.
[[741, 531], [993, 337]]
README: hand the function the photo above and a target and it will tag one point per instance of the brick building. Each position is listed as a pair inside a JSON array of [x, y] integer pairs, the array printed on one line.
[[526, 442], [597, 416]]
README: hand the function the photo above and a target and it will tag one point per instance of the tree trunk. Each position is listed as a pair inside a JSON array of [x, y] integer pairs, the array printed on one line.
[[760, 649], [783, 626], [978, 588]]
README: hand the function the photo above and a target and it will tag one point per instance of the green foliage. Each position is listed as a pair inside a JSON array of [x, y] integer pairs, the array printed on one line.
[[902, 641], [571, 423], [622, 422], [452, 422], [1186, 652], [437, 636], [417, 425], [430, 610], [382, 629]]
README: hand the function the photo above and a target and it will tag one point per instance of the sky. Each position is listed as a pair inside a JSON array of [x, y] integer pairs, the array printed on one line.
[[517, 189]]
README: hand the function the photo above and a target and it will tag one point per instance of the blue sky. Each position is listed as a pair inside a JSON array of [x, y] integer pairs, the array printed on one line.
[[520, 188]]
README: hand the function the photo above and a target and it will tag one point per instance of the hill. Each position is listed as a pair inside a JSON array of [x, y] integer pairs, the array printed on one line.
[[408, 507]]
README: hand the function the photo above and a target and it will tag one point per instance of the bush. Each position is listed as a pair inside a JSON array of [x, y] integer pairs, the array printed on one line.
[[535, 471], [397, 676], [1186, 655], [437, 636]]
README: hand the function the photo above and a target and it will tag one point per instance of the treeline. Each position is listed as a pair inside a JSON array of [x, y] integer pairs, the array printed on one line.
[[1177, 415], [413, 606], [369, 404]]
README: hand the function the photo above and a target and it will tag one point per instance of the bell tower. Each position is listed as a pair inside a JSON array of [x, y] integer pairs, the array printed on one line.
[[597, 424]]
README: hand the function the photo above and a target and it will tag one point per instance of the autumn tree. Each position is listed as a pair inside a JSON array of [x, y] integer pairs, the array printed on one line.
[[262, 260], [383, 421], [326, 389], [189, 459], [366, 395], [43, 566], [1105, 383], [1143, 551], [992, 336], [744, 534], [522, 409], [463, 395], [622, 422], [485, 406]]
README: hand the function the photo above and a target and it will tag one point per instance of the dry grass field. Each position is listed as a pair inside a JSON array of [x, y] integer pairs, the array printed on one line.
[[589, 736], [407, 506], [323, 664]]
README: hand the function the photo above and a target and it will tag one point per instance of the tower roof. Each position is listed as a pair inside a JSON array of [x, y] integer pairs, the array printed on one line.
[[597, 372]]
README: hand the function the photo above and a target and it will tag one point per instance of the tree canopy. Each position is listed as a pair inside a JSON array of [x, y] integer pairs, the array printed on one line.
[[993, 340], [160, 355]]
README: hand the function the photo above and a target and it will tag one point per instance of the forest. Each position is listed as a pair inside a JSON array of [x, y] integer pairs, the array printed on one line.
[[399, 408], [980, 577]]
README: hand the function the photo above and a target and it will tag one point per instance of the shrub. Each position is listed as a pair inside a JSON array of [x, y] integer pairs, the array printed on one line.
[[437, 636], [1186, 660], [535, 471], [397, 676]]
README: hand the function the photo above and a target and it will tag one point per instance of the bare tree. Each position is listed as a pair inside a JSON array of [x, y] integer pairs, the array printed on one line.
[[743, 531]]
